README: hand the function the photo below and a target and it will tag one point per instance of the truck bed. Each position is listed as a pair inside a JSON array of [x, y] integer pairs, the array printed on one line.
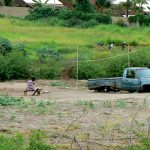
[[101, 83]]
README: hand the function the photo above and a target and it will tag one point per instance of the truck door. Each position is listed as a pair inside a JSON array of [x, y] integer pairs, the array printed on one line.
[[131, 81]]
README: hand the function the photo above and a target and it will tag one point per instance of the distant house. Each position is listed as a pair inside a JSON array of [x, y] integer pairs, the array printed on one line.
[[29, 3]]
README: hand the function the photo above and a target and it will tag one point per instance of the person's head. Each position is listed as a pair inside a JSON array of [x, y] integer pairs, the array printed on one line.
[[33, 78]]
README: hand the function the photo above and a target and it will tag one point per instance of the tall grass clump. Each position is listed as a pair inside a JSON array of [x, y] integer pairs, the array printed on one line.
[[36, 141]]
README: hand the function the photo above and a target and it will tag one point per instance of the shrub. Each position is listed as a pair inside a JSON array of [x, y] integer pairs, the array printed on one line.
[[41, 12], [36, 141], [8, 101], [5, 46], [101, 18], [89, 70], [45, 52], [142, 19], [49, 69], [71, 17], [20, 47], [84, 5], [88, 24], [121, 23], [14, 66], [65, 14], [2, 16], [18, 66]]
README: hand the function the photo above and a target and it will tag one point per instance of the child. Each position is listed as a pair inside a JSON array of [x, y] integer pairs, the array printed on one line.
[[31, 87]]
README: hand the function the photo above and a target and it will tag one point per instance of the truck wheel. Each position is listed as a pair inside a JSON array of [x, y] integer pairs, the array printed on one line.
[[131, 91], [106, 89]]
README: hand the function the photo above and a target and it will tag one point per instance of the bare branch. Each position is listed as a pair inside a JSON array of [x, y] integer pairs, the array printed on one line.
[[76, 118]]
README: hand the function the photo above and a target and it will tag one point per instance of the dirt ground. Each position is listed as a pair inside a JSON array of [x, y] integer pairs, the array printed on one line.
[[106, 118]]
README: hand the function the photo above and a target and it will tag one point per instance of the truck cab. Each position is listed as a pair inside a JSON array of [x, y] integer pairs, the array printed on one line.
[[136, 79], [133, 79]]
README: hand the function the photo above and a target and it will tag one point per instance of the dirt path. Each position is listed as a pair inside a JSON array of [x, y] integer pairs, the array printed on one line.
[[65, 93]]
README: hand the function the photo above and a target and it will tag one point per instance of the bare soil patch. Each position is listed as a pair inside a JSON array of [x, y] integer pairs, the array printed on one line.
[[109, 118]]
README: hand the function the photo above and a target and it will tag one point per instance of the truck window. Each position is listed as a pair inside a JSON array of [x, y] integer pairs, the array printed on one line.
[[131, 74]]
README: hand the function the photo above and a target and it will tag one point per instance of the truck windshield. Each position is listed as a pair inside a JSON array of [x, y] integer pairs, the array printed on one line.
[[143, 73]]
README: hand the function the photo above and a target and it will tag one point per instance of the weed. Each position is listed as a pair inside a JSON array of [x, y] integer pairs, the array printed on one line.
[[57, 83], [74, 127], [7, 100], [86, 104], [13, 116], [36, 141], [121, 104], [108, 104], [42, 107]]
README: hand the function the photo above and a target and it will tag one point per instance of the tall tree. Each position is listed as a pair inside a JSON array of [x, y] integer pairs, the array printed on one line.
[[101, 4], [84, 5], [140, 4]]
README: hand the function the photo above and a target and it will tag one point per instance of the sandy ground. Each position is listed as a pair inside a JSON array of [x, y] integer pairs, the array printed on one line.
[[110, 118], [65, 93]]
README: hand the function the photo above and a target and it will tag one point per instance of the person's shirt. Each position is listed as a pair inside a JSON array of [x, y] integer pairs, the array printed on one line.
[[30, 85]]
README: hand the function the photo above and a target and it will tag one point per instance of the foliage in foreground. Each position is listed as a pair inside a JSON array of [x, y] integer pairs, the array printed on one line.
[[10, 101], [36, 141], [18, 142]]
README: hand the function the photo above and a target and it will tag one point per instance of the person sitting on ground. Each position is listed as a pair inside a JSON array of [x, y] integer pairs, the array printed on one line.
[[31, 87]]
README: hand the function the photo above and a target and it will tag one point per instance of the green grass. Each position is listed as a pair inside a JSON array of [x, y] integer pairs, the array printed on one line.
[[38, 33]]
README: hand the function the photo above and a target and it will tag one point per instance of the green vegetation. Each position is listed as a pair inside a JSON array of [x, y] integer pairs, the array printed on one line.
[[69, 18], [143, 20], [50, 51], [18, 142], [6, 101], [86, 104]]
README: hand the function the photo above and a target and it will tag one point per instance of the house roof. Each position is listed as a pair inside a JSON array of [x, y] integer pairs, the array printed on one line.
[[52, 2]]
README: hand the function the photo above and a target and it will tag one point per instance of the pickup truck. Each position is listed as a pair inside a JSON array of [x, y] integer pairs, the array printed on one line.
[[133, 79]]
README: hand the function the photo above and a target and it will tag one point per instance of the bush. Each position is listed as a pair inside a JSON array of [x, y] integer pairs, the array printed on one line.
[[89, 70], [20, 47], [9, 101], [14, 66], [36, 141], [121, 23], [5, 46], [142, 19], [43, 11], [71, 17], [88, 24], [8, 2], [2, 16], [84, 6]]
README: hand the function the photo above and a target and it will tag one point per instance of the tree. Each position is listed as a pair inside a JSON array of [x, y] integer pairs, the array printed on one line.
[[84, 5], [101, 4], [138, 4]]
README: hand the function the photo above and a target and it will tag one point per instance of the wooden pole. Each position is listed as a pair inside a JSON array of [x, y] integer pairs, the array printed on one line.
[[128, 55], [77, 72]]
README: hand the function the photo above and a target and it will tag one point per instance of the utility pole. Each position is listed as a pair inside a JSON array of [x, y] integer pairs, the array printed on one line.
[[127, 8]]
